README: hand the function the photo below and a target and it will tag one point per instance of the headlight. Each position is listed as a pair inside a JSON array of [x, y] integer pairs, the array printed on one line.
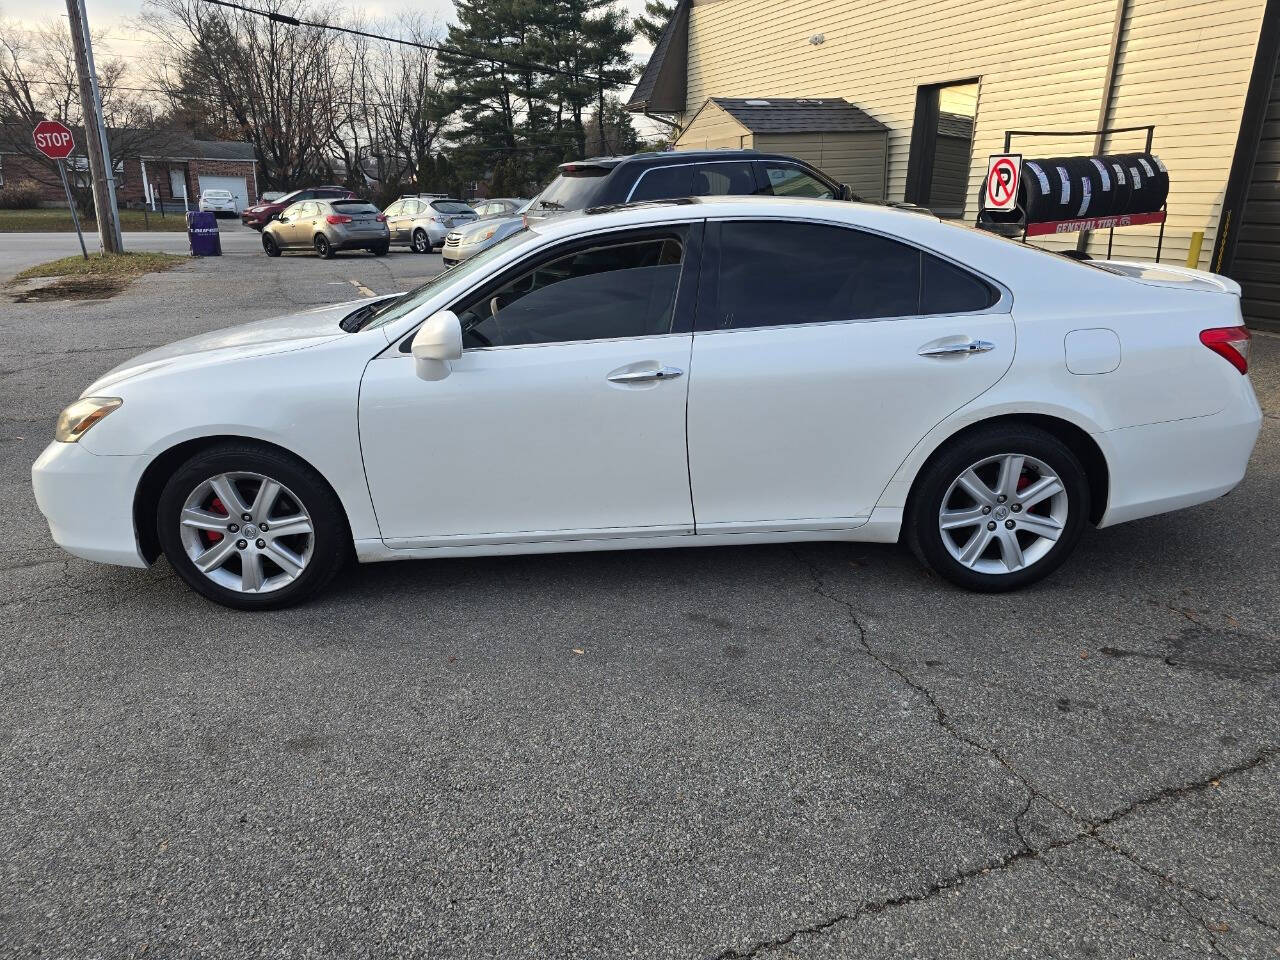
[[75, 421]]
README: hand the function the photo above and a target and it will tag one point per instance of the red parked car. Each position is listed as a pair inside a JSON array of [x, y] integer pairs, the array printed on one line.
[[259, 215]]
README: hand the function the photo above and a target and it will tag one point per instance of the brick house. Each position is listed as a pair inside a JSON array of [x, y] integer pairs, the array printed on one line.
[[169, 163]]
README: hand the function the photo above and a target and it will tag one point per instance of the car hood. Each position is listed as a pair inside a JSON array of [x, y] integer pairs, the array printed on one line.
[[468, 231], [277, 335], [1166, 275]]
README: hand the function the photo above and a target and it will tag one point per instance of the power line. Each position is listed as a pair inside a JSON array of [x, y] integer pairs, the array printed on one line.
[[449, 51]]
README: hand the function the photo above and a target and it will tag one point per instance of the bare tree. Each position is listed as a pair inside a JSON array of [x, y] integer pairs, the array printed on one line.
[[269, 78], [313, 102], [38, 82]]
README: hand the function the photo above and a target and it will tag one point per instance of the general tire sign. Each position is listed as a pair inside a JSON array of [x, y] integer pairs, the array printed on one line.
[[1003, 173], [53, 139]]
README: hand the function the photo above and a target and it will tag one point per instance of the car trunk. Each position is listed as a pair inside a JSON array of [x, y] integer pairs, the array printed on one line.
[[1166, 275], [364, 217]]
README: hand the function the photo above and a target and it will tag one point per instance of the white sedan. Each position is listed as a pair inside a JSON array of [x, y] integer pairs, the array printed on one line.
[[725, 371], [218, 201]]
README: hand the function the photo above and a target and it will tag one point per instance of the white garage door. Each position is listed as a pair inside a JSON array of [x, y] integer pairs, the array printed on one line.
[[237, 185]]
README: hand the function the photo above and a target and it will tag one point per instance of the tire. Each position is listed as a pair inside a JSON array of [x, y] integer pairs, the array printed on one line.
[[1045, 529], [243, 569], [380, 250], [270, 246], [324, 249], [421, 243]]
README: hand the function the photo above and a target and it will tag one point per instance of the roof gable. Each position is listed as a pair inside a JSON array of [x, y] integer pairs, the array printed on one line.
[[799, 115], [663, 85]]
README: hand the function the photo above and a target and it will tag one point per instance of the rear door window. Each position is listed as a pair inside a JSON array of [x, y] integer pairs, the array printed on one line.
[[778, 272], [724, 180], [786, 180], [946, 288]]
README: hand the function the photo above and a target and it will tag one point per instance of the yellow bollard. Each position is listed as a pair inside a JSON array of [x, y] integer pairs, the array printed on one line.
[[1193, 253]]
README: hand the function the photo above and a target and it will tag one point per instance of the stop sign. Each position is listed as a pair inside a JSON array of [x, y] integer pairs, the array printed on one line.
[[53, 139]]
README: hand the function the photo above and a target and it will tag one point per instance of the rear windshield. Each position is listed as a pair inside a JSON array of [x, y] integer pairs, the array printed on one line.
[[571, 191], [354, 206], [451, 206], [217, 193]]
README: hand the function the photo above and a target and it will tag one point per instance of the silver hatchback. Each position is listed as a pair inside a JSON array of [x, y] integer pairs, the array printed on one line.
[[327, 226]]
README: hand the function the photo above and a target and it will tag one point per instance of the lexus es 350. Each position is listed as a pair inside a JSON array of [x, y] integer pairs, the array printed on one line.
[[725, 371]]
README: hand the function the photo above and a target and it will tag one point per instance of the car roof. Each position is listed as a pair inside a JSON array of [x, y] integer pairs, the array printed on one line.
[[873, 216], [666, 157]]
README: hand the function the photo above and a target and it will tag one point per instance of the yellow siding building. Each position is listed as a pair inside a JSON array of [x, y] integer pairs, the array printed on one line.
[[1201, 71]]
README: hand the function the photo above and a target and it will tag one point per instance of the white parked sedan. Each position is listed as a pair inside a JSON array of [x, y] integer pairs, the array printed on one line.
[[218, 201], [726, 371]]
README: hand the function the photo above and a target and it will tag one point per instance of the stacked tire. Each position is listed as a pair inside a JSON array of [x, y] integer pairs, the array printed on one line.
[[1070, 188]]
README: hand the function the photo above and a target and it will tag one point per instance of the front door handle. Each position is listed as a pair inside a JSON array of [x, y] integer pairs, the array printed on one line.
[[957, 349], [644, 376]]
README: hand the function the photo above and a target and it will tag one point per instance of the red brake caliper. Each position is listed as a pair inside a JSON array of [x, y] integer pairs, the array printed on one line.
[[213, 536]]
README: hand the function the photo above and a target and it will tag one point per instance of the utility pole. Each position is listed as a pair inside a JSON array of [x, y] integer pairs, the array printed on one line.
[[95, 132]]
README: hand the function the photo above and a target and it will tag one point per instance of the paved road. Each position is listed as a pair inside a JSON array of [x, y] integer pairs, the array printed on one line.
[[815, 751], [21, 250]]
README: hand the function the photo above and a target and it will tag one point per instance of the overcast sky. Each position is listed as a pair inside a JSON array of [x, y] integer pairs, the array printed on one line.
[[107, 14]]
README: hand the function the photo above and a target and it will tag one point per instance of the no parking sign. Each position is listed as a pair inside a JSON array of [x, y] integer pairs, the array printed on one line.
[[1003, 172]]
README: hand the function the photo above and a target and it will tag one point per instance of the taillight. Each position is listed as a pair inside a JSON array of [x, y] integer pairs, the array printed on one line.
[[1231, 343], [381, 218], [337, 218]]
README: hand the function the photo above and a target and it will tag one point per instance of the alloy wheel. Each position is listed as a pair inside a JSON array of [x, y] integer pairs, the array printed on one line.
[[1003, 513], [420, 242], [247, 532]]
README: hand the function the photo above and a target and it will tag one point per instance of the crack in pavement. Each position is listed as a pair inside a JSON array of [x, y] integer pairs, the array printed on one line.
[[1027, 851]]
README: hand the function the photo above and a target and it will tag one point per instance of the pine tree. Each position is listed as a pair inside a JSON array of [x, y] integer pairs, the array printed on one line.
[[498, 96], [653, 21]]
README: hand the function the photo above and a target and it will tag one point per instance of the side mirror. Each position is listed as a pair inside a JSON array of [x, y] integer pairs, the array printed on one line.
[[438, 341], [282, 219]]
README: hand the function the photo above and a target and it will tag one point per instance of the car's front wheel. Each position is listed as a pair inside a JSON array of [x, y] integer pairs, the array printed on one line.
[[251, 527], [270, 246], [421, 242], [999, 509]]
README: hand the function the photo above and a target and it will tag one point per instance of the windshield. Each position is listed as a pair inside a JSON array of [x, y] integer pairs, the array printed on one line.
[[474, 266], [288, 197], [451, 206], [571, 191]]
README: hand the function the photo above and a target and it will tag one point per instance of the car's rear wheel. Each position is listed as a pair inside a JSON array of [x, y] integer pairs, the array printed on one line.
[[999, 509], [421, 242], [380, 250], [270, 246], [324, 249], [250, 527]]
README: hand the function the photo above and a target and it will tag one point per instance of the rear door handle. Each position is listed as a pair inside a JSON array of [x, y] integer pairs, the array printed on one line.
[[643, 376], [957, 349]]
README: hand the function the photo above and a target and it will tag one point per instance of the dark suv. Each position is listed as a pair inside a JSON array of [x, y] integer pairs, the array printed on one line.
[[603, 181], [259, 215]]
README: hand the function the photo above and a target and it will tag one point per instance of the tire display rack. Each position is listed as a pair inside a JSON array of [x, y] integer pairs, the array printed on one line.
[[1079, 224]]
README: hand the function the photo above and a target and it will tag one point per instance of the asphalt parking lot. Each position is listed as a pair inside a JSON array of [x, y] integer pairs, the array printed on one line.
[[814, 751]]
